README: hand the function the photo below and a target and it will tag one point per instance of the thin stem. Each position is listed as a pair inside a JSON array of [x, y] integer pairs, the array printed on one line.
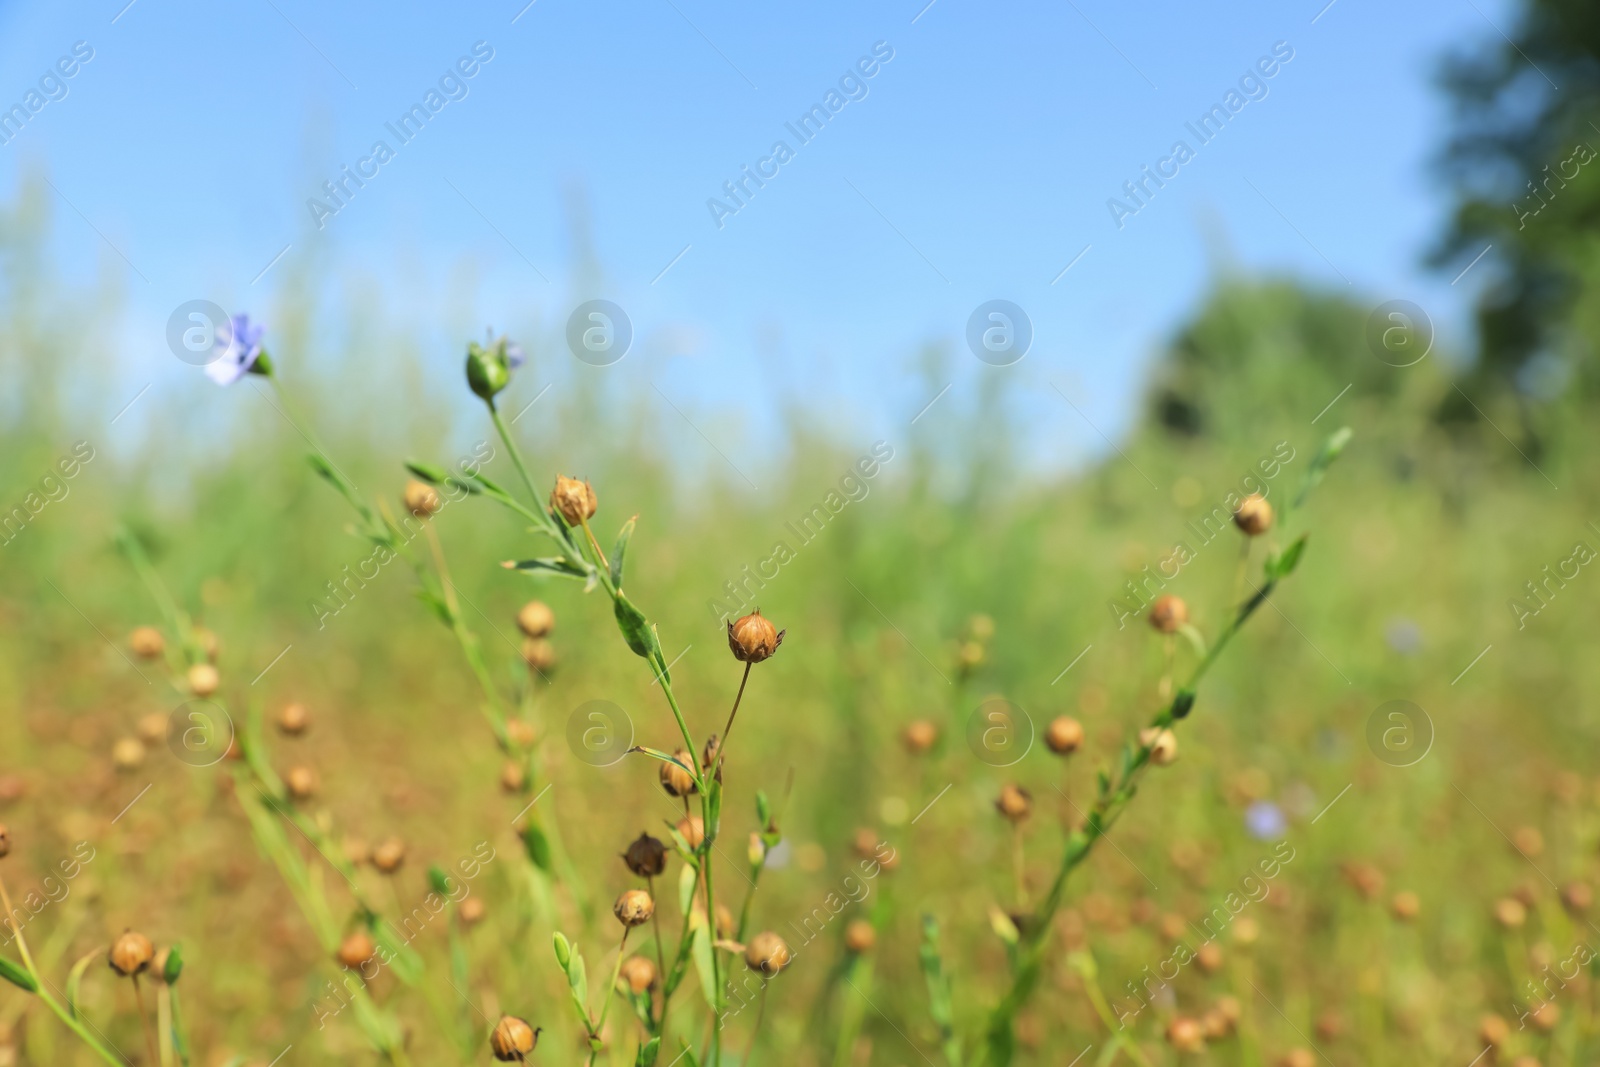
[[722, 747], [611, 989], [144, 1020], [1018, 866], [761, 1013], [511, 446], [601, 556], [661, 951], [164, 1022]]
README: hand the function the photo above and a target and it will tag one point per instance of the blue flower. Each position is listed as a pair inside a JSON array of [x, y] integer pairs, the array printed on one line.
[[1404, 636], [1265, 821], [236, 349]]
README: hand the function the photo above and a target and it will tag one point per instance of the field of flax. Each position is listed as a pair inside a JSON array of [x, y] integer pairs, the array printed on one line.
[[416, 732]]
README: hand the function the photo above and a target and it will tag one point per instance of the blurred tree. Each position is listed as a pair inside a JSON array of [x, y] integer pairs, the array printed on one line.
[[1524, 162]]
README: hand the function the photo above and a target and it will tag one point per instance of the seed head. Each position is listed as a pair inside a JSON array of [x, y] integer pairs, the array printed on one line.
[[471, 911], [575, 500], [1246, 931], [1405, 906], [646, 857], [538, 653], [146, 642], [1186, 1035], [634, 908], [1163, 745], [1546, 1015], [725, 927], [970, 656], [1014, 802], [131, 954], [1493, 1030], [859, 936], [389, 855], [356, 948], [1209, 957], [127, 754], [1168, 613], [421, 499], [865, 842], [753, 638], [677, 781], [521, 733], [536, 619], [5, 841], [302, 782], [693, 830], [639, 973], [1253, 515], [1510, 913], [708, 755], [512, 776], [294, 719], [1215, 1025], [159, 965], [1528, 841], [1298, 1057], [203, 679], [1367, 879], [513, 1039], [1576, 897], [1064, 735], [766, 954], [1330, 1026], [920, 736], [151, 728]]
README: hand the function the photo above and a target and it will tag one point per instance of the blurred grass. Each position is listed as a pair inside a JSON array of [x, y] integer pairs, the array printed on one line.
[[1419, 537]]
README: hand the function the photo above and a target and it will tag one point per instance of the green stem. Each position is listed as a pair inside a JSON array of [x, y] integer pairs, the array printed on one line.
[[611, 990]]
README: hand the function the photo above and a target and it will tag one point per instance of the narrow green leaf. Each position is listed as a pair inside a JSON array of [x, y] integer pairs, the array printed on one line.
[[687, 878], [18, 976], [648, 1052], [428, 472], [439, 880], [635, 628], [537, 846], [1283, 564], [75, 979], [620, 549], [700, 951], [550, 565]]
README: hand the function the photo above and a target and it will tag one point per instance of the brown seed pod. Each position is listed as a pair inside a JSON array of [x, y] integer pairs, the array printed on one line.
[[639, 973], [1216, 1025], [676, 780], [1253, 515], [5, 841], [536, 619], [512, 777], [1168, 613], [646, 857], [294, 719], [471, 911], [389, 855], [859, 936], [1510, 912], [356, 949], [1064, 735], [692, 829], [574, 500], [538, 653], [1209, 957], [1528, 841], [1298, 1057], [1186, 1035], [127, 754], [766, 954], [1493, 1030], [302, 782], [634, 907], [920, 736], [1330, 1026], [146, 642], [521, 733], [708, 755], [152, 728], [725, 926], [1405, 906], [1577, 897], [1163, 745], [865, 842], [1546, 1015], [513, 1039], [421, 499], [1014, 802], [753, 639], [131, 954], [203, 679]]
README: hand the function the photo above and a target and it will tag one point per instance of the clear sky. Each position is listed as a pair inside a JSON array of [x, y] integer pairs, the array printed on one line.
[[975, 164]]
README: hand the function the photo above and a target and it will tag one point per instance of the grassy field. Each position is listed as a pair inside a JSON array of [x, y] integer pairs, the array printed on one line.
[[1302, 884]]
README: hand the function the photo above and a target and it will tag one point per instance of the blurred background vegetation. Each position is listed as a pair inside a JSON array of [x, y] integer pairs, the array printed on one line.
[[1469, 474]]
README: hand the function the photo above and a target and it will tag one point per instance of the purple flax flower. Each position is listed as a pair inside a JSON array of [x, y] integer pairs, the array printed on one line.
[[1265, 821], [236, 348]]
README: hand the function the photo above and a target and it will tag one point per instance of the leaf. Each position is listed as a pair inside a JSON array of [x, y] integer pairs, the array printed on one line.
[[1004, 926], [563, 949], [1283, 564], [688, 877], [437, 606], [578, 980], [75, 979], [19, 977], [174, 967], [1331, 448], [656, 753], [700, 950], [428, 472], [690, 1060], [537, 846], [438, 880], [620, 549], [763, 810], [647, 1053], [1183, 703], [635, 627], [550, 565]]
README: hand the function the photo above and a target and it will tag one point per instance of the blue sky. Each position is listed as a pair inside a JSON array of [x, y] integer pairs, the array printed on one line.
[[977, 165]]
